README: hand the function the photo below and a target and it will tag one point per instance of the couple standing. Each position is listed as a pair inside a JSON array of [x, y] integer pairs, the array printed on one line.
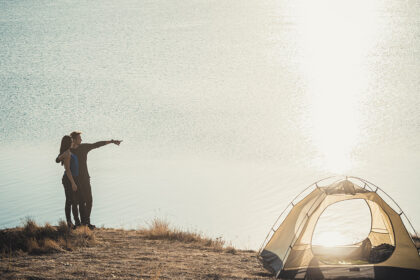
[[76, 179]]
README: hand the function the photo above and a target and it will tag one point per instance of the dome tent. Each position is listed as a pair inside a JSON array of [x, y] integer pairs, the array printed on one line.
[[288, 252]]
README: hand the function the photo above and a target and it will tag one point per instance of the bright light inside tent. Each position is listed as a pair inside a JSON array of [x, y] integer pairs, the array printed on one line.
[[331, 239], [343, 223], [334, 38]]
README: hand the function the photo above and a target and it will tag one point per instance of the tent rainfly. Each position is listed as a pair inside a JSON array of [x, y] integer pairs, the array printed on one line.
[[289, 254]]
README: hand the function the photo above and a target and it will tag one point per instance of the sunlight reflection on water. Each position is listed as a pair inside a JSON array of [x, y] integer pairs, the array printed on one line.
[[334, 47]]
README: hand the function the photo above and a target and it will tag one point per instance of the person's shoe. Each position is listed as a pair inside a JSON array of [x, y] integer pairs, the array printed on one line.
[[91, 227]]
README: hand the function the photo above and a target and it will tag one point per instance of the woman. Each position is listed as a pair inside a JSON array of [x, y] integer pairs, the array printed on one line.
[[71, 166]]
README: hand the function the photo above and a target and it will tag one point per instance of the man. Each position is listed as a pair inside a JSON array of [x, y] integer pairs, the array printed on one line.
[[81, 151]]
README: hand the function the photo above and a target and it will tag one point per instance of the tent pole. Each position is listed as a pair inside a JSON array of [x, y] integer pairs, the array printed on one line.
[[399, 208], [291, 203]]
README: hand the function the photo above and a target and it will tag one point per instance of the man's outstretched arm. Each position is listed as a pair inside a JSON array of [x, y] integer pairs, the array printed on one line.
[[89, 147]]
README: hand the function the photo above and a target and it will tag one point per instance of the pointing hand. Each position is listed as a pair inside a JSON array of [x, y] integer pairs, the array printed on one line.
[[116, 142]]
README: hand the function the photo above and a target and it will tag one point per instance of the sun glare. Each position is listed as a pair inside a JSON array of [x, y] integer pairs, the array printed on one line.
[[343, 223], [334, 45], [331, 239]]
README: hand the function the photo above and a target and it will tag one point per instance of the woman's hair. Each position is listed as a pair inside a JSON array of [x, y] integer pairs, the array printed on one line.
[[65, 145]]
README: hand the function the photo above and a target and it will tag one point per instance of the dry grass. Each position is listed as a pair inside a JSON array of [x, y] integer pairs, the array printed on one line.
[[83, 237], [44, 246], [45, 239], [128, 254], [161, 229], [231, 250], [32, 245]]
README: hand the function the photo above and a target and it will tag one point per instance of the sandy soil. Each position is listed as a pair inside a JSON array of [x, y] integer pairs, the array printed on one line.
[[120, 254]]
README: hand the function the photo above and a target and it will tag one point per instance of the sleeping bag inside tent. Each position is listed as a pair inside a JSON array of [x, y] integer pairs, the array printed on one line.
[[388, 252]]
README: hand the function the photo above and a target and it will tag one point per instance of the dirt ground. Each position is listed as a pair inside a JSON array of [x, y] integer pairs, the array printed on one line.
[[121, 254]]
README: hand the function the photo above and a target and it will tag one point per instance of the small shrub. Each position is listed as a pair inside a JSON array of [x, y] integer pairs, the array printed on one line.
[[63, 243], [62, 228], [83, 237], [36, 239], [47, 231], [30, 228], [160, 229], [50, 246], [230, 250], [32, 246]]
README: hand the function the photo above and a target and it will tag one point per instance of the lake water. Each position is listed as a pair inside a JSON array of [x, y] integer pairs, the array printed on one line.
[[227, 109]]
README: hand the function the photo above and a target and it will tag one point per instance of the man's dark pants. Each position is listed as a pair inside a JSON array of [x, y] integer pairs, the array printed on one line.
[[86, 200]]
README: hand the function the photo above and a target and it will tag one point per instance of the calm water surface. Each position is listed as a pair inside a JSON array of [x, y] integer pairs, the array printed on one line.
[[227, 109]]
